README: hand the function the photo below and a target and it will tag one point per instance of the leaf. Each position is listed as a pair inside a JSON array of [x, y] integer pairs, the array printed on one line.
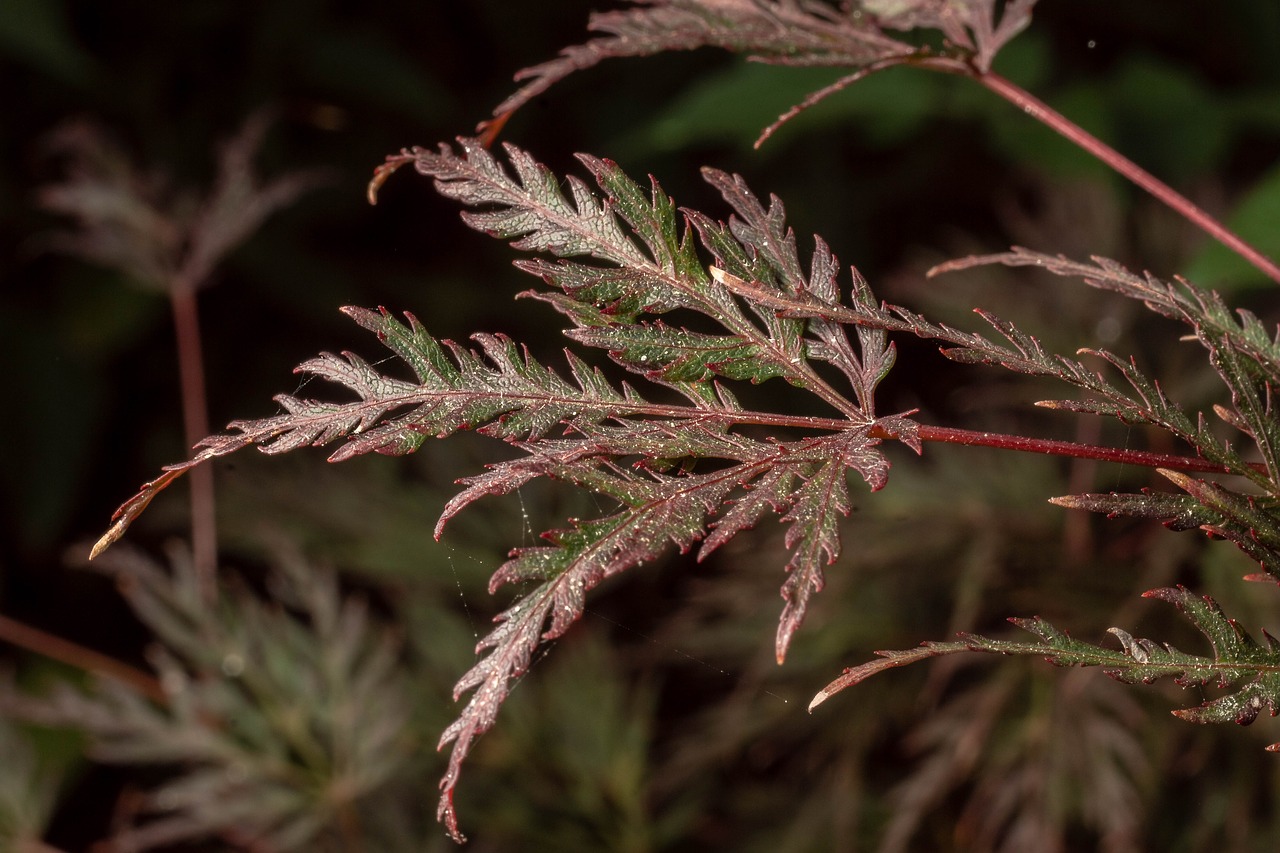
[[660, 512], [279, 719], [1173, 511], [816, 510], [1251, 522], [970, 24], [781, 31], [510, 396], [765, 230], [1236, 658], [657, 268], [127, 221], [1238, 661], [679, 355], [577, 560], [1240, 348], [679, 473], [788, 32]]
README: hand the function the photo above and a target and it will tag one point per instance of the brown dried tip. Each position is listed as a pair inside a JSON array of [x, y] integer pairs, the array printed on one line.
[[109, 538]]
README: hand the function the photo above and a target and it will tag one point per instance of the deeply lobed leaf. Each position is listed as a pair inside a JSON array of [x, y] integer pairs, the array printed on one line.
[[1238, 660], [787, 32], [680, 474]]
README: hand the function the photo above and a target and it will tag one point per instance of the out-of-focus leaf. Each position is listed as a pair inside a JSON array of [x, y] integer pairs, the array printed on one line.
[[1257, 220], [36, 32]]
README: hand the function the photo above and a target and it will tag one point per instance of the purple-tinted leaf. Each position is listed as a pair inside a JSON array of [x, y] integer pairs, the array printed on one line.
[[1245, 354], [678, 473], [657, 268], [970, 24], [780, 31], [886, 660], [816, 510], [501, 391], [577, 560], [660, 512]]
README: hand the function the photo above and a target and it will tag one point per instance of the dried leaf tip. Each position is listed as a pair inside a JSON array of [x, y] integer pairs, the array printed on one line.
[[818, 699], [729, 281], [108, 539]]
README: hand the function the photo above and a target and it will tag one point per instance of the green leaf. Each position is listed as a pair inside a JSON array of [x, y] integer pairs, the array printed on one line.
[[1238, 661], [678, 355], [1254, 220]]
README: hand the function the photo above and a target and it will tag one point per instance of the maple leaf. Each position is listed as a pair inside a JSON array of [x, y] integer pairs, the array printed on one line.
[[788, 32], [622, 256], [1238, 660]]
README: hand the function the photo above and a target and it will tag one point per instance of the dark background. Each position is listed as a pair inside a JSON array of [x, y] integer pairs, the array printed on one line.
[[896, 174]]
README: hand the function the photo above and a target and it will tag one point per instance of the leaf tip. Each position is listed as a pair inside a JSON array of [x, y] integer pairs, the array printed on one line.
[[384, 171], [108, 539]]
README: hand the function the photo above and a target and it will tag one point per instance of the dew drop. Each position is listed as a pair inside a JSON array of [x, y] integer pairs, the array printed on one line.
[[1108, 330], [232, 665]]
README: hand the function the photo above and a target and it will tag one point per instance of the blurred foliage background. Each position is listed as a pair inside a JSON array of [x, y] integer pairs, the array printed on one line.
[[660, 722]]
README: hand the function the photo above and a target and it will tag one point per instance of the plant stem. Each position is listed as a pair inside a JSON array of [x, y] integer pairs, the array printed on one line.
[[1071, 131], [1053, 447], [73, 654], [1003, 441], [195, 422]]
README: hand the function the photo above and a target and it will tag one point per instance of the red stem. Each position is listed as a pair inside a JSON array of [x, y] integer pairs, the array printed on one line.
[[1041, 111], [1052, 447], [1003, 441], [75, 655]]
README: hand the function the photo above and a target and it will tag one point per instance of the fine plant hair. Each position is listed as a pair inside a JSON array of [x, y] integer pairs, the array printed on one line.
[[694, 305]]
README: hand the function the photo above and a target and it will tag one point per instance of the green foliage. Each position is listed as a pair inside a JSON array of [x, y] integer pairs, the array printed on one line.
[[28, 790], [288, 724], [1237, 660], [287, 717]]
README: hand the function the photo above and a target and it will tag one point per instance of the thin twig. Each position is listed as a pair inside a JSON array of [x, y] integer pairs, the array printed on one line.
[[75, 655], [1071, 131], [195, 422]]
